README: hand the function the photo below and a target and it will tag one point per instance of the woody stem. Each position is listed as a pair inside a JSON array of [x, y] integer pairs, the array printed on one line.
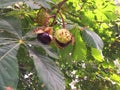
[[63, 22]]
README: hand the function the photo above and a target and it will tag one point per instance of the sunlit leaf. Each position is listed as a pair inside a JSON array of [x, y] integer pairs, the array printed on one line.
[[92, 39], [79, 48], [97, 54], [76, 3], [48, 72], [115, 77], [110, 15]]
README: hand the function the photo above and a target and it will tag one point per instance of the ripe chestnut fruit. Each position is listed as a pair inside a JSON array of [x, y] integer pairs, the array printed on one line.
[[63, 37], [44, 38], [44, 34]]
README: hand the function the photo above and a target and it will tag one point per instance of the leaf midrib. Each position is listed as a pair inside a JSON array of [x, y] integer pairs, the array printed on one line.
[[9, 51]]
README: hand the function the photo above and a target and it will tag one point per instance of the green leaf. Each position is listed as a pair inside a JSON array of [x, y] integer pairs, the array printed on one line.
[[92, 39], [45, 47], [79, 48], [9, 34], [110, 15], [4, 3], [8, 66], [10, 25], [115, 77], [6, 41], [32, 4], [43, 3], [97, 54], [48, 72]]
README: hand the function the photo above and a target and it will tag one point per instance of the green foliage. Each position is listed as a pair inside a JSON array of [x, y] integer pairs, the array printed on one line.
[[90, 62], [79, 48], [92, 39], [8, 52], [47, 71]]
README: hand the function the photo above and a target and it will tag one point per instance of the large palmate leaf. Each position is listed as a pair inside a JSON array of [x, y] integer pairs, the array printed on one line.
[[46, 48], [95, 42], [92, 39], [8, 66], [10, 26], [43, 3], [6, 2], [48, 72], [9, 34], [31, 3]]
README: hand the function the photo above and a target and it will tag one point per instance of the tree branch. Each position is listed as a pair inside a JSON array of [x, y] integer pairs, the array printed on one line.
[[59, 7]]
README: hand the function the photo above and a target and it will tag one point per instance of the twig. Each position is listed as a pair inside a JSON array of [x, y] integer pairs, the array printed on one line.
[[63, 22], [59, 7]]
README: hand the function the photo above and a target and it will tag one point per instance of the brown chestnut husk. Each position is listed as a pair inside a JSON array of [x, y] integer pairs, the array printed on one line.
[[62, 44]]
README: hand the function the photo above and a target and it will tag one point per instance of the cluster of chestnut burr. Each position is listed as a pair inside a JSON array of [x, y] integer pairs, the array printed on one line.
[[45, 34]]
